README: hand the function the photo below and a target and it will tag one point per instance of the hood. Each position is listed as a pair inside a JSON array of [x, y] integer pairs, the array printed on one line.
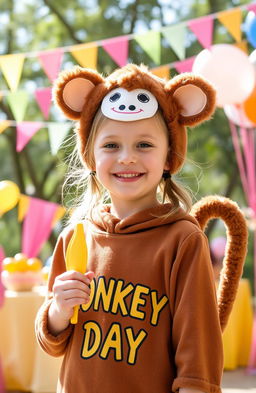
[[103, 221]]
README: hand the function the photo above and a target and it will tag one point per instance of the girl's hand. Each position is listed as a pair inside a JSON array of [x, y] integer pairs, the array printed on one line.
[[69, 290]]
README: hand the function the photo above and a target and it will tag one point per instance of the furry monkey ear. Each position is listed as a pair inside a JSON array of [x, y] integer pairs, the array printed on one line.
[[72, 88], [195, 97]]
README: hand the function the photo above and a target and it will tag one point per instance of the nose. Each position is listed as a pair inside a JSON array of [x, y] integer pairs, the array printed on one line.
[[127, 156]]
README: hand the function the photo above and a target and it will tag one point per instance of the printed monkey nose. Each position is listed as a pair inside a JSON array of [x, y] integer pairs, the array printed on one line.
[[122, 107], [132, 107]]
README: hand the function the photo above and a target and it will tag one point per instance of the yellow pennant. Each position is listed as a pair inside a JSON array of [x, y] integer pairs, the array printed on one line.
[[86, 55], [243, 45], [3, 125], [232, 20], [162, 72], [12, 66], [23, 207], [58, 215]]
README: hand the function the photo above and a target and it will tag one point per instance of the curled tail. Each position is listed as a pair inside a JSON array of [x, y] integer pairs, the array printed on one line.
[[237, 236]]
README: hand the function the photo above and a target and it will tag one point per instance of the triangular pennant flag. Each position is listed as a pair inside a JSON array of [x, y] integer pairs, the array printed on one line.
[[175, 35], [243, 45], [3, 125], [23, 207], [162, 72], [58, 215], [185, 65], [37, 226], [12, 66], [232, 19], [150, 43], [43, 97], [25, 131], [251, 7], [203, 30], [117, 48], [51, 62], [18, 102], [57, 134], [86, 55]]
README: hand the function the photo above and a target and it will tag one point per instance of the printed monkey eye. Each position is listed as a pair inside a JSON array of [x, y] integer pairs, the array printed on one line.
[[115, 97], [142, 97]]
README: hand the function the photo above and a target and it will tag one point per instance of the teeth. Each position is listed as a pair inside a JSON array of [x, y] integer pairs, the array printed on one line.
[[128, 175]]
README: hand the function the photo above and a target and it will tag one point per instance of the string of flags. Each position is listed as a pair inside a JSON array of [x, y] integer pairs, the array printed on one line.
[[117, 48]]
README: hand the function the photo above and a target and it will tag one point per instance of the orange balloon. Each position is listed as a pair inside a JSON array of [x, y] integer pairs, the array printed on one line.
[[250, 107]]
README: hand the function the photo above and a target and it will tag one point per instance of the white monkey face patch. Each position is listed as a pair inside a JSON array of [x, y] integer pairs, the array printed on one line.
[[121, 104]]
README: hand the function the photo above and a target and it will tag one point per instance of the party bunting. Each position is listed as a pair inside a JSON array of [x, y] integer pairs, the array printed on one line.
[[203, 30], [23, 207], [232, 20], [175, 36], [58, 215], [185, 65], [251, 7], [25, 131], [51, 62], [162, 72], [43, 97], [37, 225], [117, 48], [18, 102], [243, 46], [150, 43], [12, 66], [3, 125], [86, 55], [57, 133]]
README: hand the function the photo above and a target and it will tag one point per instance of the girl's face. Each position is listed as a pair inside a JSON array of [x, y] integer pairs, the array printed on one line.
[[130, 158]]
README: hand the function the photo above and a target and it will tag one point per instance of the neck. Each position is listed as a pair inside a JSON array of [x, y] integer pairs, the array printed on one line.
[[123, 210]]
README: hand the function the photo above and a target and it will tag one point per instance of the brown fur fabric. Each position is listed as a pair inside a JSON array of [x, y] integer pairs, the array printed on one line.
[[133, 77], [237, 235]]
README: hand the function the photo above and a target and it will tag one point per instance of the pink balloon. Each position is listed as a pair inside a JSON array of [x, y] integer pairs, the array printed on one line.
[[237, 115], [229, 70], [218, 246]]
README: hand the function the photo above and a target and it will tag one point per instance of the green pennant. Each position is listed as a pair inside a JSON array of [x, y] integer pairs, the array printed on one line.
[[151, 44], [18, 102], [57, 133], [175, 35]]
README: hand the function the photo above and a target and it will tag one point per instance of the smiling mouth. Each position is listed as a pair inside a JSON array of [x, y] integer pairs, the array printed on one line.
[[127, 113], [128, 175]]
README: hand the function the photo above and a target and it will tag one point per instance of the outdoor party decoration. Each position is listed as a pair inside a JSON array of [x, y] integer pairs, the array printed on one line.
[[25, 131], [229, 70], [237, 115], [76, 257], [21, 273], [9, 195], [250, 28]]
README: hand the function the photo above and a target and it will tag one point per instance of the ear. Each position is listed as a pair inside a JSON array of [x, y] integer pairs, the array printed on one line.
[[195, 98], [72, 88]]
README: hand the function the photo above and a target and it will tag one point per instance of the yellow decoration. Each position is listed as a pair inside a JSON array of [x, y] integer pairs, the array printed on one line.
[[9, 195], [243, 46], [58, 215], [232, 20], [23, 207], [12, 66], [34, 264], [86, 55], [162, 72], [9, 264], [76, 257], [3, 125]]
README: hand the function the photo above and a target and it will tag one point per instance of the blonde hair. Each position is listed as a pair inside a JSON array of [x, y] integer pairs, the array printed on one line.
[[89, 192]]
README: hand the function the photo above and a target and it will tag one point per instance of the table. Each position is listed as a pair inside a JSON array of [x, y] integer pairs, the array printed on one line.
[[25, 366], [237, 337]]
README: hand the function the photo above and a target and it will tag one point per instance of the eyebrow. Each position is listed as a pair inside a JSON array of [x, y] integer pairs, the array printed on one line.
[[139, 136]]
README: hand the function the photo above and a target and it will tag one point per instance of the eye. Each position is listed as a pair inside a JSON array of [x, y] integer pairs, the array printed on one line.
[[110, 146], [142, 97], [115, 97], [144, 145]]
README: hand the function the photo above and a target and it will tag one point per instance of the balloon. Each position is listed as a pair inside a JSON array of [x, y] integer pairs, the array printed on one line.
[[250, 107], [250, 28], [237, 115], [9, 195], [229, 70]]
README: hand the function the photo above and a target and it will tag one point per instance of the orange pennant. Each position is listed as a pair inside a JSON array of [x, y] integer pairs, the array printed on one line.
[[58, 215], [23, 207], [12, 66], [243, 45], [3, 125], [86, 55], [232, 20], [162, 72]]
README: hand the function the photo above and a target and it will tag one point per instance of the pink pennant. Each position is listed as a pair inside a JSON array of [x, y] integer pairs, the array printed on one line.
[[51, 62], [117, 48], [203, 30], [25, 131], [251, 7], [37, 225], [43, 98], [185, 65]]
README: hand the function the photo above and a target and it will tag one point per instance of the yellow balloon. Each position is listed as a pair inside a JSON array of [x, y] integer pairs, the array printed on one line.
[[9, 195]]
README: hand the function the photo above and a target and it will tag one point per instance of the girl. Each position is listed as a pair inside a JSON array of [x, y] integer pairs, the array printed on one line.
[[148, 319]]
